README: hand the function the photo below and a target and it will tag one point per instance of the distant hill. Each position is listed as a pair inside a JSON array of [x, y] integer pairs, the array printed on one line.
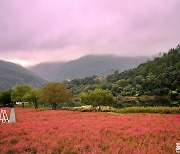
[[47, 70], [12, 74], [101, 65]]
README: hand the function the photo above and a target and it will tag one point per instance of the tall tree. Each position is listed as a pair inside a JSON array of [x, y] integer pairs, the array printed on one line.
[[33, 97], [54, 94], [98, 97], [5, 98]]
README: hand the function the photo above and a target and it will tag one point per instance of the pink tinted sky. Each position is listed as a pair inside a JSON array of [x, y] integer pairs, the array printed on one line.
[[45, 30]]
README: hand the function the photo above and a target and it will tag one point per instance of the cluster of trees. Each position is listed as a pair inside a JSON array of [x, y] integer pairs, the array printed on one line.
[[160, 76], [24, 93], [77, 86], [51, 93]]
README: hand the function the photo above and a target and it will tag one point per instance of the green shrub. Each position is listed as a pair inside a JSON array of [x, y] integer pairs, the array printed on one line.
[[161, 110]]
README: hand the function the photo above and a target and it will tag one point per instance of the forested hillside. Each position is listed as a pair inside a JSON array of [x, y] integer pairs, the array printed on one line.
[[160, 76], [12, 74]]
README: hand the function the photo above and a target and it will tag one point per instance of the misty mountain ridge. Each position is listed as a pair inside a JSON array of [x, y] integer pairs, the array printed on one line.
[[13, 74], [46, 70], [86, 66]]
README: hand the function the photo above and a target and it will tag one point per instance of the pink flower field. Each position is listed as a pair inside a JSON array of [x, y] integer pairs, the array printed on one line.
[[81, 132]]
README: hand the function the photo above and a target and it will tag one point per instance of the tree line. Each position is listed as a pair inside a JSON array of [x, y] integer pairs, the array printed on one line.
[[51, 93]]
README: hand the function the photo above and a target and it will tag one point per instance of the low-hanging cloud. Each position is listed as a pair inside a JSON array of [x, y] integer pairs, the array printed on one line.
[[62, 30]]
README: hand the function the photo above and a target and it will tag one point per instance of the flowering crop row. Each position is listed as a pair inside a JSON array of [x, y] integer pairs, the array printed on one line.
[[81, 132]]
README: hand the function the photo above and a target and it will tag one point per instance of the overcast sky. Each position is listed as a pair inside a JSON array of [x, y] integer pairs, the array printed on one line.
[[33, 31]]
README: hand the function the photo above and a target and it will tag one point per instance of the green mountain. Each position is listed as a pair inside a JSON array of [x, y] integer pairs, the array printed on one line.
[[85, 67], [160, 76], [12, 74]]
